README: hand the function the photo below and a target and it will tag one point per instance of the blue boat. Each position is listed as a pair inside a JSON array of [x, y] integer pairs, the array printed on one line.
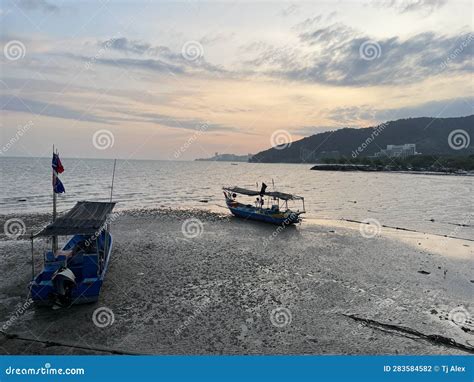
[[75, 274], [269, 206]]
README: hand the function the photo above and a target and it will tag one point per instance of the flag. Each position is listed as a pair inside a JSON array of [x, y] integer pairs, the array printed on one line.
[[56, 164], [58, 168], [58, 185]]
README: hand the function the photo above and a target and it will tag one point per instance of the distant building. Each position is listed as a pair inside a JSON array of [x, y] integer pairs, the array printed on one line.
[[397, 151], [227, 158]]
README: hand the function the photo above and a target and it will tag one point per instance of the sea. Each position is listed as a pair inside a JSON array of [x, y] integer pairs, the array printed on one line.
[[440, 204]]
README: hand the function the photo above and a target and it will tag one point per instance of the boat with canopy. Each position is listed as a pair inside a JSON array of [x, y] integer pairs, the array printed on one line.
[[269, 206], [75, 273]]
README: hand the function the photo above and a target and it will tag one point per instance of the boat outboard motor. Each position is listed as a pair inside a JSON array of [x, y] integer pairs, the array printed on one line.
[[63, 282]]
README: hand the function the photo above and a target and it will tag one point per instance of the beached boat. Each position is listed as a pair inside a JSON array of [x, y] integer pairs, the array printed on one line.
[[75, 274], [276, 212]]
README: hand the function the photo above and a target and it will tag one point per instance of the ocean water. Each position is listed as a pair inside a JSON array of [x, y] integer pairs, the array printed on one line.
[[428, 203]]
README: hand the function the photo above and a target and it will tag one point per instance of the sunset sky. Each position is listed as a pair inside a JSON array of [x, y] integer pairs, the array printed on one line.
[[182, 80]]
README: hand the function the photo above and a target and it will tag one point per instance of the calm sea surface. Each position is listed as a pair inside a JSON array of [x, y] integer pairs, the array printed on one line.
[[402, 200]]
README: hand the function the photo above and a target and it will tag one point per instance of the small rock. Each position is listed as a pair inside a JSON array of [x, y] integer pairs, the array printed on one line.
[[424, 272]]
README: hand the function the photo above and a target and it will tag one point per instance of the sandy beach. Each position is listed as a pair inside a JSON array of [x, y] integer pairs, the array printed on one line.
[[240, 287]]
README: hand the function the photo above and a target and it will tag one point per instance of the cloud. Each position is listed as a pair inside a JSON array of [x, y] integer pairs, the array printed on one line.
[[359, 115], [33, 5], [24, 105], [454, 107], [405, 6], [366, 115], [138, 47], [334, 55], [290, 9], [215, 38], [125, 45], [172, 122], [162, 58]]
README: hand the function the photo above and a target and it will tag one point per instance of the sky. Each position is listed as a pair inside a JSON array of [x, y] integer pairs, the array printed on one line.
[[179, 80]]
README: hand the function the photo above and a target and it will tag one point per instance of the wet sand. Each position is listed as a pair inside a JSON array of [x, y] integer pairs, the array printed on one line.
[[246, 288]]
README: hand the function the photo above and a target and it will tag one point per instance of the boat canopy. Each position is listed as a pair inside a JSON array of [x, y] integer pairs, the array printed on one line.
[[84, 218], [275, 194]]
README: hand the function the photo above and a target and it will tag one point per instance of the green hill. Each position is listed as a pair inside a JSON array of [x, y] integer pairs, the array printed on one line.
[[429, 134]]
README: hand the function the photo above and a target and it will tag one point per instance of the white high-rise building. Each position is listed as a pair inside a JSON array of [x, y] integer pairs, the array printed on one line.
[[398, 151]]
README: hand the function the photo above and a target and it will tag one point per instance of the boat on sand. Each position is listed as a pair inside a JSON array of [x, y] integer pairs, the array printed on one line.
[[269, 206]]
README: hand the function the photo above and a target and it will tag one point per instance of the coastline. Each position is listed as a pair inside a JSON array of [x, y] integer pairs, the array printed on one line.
[[215, 293]]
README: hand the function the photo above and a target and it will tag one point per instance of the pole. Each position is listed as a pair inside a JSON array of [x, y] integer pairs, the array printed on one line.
[[55, 238], [106, 241], [113, 177], [32, 259]]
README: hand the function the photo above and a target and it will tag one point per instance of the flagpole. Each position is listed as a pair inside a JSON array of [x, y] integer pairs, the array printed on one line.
[[55, 238], [113, 177]]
